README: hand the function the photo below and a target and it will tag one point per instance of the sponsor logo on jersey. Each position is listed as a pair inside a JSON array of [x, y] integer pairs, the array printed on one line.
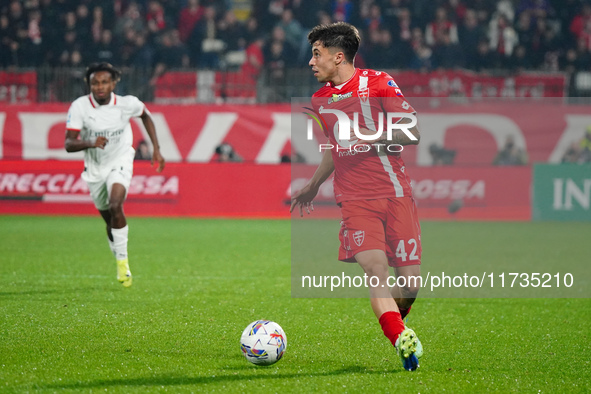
[[392, 83], [339, 97]]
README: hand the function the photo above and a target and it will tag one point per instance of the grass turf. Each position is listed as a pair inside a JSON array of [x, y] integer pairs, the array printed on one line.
[[67, 325]]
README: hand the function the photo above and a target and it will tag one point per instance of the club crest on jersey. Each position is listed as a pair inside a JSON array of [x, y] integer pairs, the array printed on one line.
[[358, 237], [339, 97], [363, 94]]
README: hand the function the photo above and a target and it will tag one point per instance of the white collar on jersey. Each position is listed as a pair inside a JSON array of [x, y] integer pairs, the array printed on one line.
[[95, 104], [347, 81]]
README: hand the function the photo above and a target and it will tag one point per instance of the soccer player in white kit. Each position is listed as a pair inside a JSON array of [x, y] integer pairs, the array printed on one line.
[[98, 124]]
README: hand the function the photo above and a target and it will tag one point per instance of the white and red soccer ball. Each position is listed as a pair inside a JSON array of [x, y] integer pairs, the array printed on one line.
[[263, 342]]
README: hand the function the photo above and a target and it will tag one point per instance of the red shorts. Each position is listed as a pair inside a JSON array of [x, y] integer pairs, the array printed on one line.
[[388, 224]]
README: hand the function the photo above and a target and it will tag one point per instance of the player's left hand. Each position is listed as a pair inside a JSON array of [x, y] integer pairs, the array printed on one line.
[[157, 158]]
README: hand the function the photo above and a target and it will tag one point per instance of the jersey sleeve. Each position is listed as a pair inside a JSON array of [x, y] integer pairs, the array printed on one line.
[[74, 119], [136, 106], [392, 98]]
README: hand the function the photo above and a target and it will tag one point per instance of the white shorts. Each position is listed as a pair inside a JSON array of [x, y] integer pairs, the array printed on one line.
[[100, 191]]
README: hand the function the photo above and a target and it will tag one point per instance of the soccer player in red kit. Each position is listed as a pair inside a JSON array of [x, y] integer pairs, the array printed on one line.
[[379, 227]]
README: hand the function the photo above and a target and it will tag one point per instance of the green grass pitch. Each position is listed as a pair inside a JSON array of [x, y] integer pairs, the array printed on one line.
[[66, 325]]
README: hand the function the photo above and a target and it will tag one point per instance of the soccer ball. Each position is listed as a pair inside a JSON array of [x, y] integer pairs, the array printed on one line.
[[263, 342]]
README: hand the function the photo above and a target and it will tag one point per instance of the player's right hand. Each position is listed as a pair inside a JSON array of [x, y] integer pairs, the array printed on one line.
[[100, 142], [304, 199]]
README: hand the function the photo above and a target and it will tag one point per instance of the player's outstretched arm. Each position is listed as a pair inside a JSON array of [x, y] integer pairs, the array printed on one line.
[[305, 196], [151, 129], [74, 144]]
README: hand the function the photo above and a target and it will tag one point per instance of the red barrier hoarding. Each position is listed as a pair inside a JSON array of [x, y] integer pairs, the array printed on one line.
[[470, 84], [250, 190], [191, 87], [221, 190], [476, 131], [18, 87], [449, 193]]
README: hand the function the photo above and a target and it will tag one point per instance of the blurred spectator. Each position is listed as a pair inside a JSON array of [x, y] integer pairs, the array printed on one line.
[[131, 19], [519, 61], [470, 33], [572, 154], [105, 50], [536, 8], [277, 54], [585, 147], [68, 45], [251, 30], [188, 18], [542, 42], [421, 57], [580, 21], [155, 17], [441, 156], [447, 54], [525, 30], [204, 43], [510, 155], [342, 10], [391, 10], [402, 37], [255, 60], [503, 39], [171, 53], [32, 46], [441, 25], [226, 153], [143, 53], [294, 33], [142, 151], [374, 20], [231, 32], [83, 23], [97, 26], [283, 48], [6, 55]]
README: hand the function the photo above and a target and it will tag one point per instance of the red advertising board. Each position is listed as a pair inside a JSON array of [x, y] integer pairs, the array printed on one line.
[[185, 86], [456, 193], [470, 84], [18, 87], [218, 189], [250, 190], [476, 131]]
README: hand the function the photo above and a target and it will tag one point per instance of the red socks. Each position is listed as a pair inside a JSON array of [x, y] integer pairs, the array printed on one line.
[[392, 325], [404, 312]]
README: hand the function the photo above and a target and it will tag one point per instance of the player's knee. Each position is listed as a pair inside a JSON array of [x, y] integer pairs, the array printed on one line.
[[410, 289], [377, 270], [115, 206]]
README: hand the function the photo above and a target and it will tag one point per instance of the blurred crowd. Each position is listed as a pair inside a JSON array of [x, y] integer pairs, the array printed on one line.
[[548, 35]]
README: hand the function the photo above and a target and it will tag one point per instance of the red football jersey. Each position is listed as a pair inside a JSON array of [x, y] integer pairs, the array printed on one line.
[[374, 171]]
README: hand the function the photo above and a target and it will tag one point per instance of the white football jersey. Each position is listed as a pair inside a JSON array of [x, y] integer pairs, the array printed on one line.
[[111, 121]]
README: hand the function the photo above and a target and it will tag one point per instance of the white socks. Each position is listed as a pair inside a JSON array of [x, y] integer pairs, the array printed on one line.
[[111, 246], [119, 244]]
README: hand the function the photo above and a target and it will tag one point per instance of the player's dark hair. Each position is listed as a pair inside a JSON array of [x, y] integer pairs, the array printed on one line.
[[96, 67], [337, 35]]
